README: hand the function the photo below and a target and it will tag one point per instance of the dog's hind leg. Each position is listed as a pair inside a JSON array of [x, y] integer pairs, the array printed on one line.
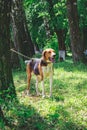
[[28, 78]]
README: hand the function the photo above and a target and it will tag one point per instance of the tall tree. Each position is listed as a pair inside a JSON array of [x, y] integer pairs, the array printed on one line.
[[76, 42], [46, 18], [1, 114], [44, 15], [22, 38], [34, 13], [6, 80], [82, 10], [58, 29]]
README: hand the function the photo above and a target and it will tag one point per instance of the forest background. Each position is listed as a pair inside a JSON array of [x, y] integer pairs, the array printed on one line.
[[30, 26]]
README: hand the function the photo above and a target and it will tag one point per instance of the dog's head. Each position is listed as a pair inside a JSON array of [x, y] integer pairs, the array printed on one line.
[[49, 54]]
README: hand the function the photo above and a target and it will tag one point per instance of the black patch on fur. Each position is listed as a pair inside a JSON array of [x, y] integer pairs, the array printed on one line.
[[34, 64]]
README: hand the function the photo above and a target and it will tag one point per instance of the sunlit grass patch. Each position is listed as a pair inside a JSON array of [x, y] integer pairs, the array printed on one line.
[[66, 110]]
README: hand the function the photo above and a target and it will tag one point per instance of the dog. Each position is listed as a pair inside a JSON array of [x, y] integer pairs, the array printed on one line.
[[42, 68]]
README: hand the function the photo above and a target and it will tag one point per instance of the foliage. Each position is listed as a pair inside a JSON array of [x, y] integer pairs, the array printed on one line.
[[52, 43], [82, 10], [66, 110], [35, 22], [60, 14], [37, 11]]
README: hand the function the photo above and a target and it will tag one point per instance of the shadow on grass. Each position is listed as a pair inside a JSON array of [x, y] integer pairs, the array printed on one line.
[[27, 118]]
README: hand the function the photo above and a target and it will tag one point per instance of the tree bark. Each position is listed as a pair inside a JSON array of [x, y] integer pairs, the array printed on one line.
[[22, 39], [76, 41], [85, 37], [6, 80], [1, 113], [61, 34], [47, 27]]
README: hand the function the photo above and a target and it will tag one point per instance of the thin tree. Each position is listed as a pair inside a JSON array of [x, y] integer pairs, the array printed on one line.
[[21, 36], [76, 42], [60, 32]]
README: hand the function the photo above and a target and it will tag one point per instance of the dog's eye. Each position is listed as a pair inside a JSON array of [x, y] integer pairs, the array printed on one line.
[[49, 51]]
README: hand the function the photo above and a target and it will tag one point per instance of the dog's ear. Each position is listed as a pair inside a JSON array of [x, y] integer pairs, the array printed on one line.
[[44, 53]]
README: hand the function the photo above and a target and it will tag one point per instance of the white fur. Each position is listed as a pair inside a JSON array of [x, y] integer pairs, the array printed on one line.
[[47, 72]]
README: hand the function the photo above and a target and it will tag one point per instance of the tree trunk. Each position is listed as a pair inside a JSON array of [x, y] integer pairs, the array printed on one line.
[[5, 68], [76, 43], [6, 81], [1, 113], [59, 32], [85, 37], [15, 63], [47, 28], [22, 39]]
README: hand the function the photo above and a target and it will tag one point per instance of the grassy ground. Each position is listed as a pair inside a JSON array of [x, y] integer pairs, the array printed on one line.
[[66, 110]]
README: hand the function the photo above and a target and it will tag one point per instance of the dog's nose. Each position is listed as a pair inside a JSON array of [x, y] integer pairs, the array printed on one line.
[[54, 55]]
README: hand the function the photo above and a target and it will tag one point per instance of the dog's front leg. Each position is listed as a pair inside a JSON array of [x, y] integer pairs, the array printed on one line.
[[28, 78], [28, 84]]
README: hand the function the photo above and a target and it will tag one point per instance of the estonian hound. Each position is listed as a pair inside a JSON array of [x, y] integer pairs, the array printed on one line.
[[42, 68]]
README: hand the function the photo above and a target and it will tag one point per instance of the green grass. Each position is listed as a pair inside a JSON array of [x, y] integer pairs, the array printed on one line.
[[66, 110]]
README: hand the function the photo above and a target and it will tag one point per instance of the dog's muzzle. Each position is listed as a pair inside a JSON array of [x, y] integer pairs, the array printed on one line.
[[52, 59]]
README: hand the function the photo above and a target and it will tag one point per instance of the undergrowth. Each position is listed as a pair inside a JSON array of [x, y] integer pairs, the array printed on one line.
[[66, 110]]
